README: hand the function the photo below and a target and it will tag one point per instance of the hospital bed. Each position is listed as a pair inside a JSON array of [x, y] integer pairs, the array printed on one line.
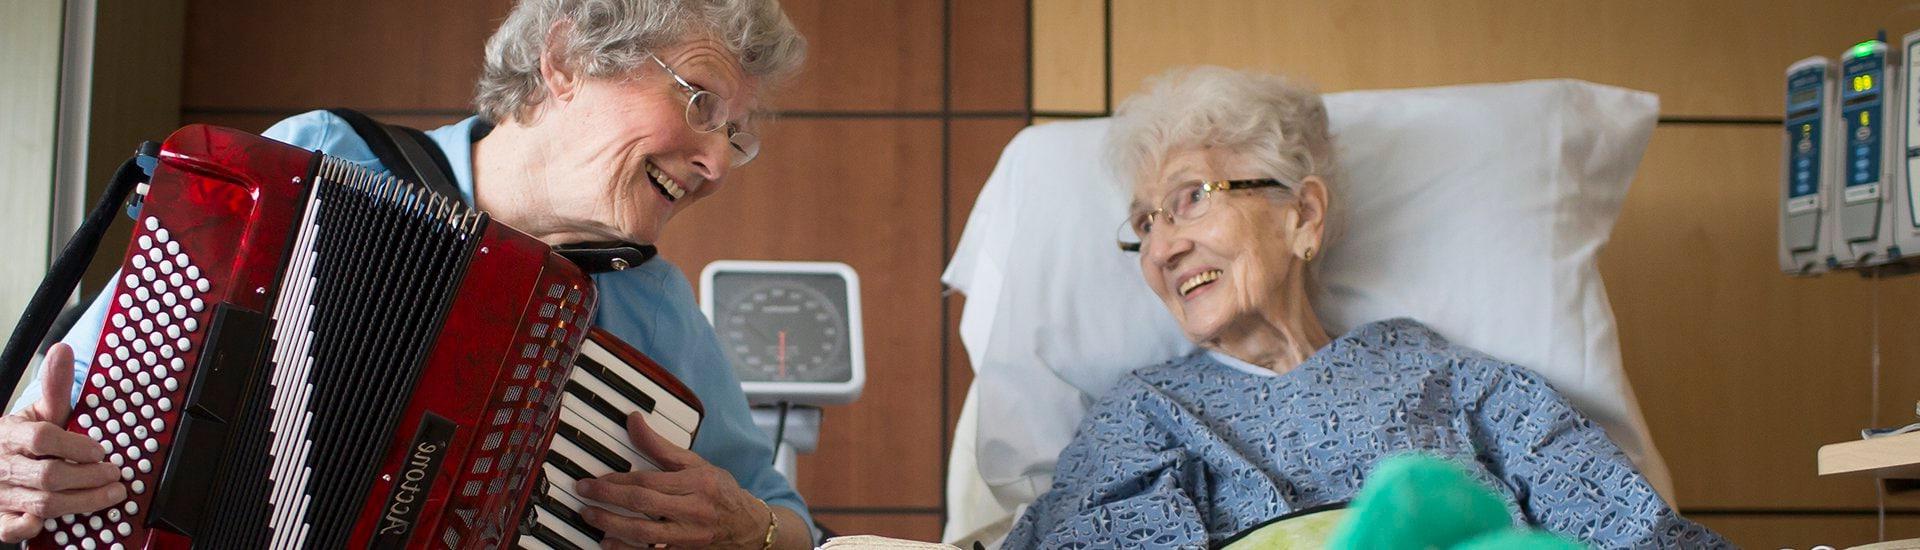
[[1478, 210]]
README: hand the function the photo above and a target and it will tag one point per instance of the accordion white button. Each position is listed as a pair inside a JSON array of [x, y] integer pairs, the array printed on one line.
[[183, 344], [152, 223], [126, 472], [180, 260], [106, 446], [149, 358], [154, 255], [125, 300], [202, 285], [95, 522], [124, 530], [132, 507], [131, 280], [175, 279], [136, 397], [146, 411], [153, 306], [113, 514], [166, 403], [146, 242], [58, 538], [152, 447], [79, 529], [166, 268], [139, 487], [123, 440], [106, 536], [173, 331], [193, 271], [99, 380], [155, 338], [189, 323], [93, 400], [168, 300], [159, 425], [147, 273], [94, 434], [119, 320], [158, 373], [178, 364], [162, 235], [166, 352], [99, 414], [84, 420], [164, 316], [129, 420], [146, 466], [126, 333], [197, 305], [113, 339], [87, 544], [133, 451], [126, 386], [139, 346], [119, 406], [136, 313], [173, 247], [112, 426], [146, 325]]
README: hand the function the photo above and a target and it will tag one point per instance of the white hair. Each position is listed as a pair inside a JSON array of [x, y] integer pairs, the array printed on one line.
[[610, 38], [1270, 120]]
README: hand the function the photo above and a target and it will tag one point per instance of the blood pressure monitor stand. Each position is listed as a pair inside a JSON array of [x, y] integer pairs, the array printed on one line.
[[792, 332]]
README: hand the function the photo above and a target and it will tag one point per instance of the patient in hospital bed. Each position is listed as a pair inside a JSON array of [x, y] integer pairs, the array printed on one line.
[[1231, 189]]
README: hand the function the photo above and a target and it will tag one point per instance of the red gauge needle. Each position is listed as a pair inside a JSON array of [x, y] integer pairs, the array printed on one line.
[[783, 354]]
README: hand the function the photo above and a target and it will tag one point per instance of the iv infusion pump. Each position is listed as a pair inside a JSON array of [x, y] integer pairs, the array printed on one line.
[[1850, 189]]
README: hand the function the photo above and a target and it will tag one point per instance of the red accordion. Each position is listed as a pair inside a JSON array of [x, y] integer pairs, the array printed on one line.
[[303, 353]]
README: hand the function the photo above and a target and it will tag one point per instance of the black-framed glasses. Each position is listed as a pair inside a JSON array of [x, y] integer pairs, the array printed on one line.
[[1185, 203], [707, 113]]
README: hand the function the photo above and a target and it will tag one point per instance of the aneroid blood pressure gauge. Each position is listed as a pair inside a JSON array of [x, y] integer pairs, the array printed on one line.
[[790, 329]]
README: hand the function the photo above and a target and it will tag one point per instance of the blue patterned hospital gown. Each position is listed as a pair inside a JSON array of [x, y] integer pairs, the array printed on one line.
[[1191, 452]]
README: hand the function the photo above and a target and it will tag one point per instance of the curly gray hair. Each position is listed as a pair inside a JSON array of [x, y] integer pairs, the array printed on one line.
[[608, 38], [1272, 121]]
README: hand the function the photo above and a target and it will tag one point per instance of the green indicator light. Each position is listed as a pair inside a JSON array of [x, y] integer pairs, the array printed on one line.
[[1863, 49]]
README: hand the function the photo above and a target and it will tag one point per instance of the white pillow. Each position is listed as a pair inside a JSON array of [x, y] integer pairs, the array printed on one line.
[[1478, 210]]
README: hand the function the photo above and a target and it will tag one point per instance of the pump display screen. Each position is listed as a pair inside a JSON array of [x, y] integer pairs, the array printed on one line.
[[1803, 96]]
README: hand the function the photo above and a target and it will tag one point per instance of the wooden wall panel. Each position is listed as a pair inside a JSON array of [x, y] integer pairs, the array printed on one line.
[[1776, 531], [988, 55], [910, 526], [1742, 372], [974, 150], [1704, 58], [1069, 55], [365, 54], [810, 197], [866, 55]]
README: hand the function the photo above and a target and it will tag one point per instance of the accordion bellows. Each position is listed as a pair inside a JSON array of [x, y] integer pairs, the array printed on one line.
[[301, 353]]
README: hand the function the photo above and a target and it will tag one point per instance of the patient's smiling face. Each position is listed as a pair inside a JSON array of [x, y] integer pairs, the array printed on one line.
[[1232, 266]]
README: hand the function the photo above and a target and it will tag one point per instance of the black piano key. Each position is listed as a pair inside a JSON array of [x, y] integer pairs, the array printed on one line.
[[550, 538], [571, 518], [592, 447], [568, 467], [619, 384], [599, 405]]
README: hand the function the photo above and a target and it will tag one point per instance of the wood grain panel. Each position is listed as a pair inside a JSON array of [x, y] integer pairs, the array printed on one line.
[[258, 123], [866, 55], [366, 54], [135, 97], [1704, 58], [988, 55], [974, 150], [1069, 55], [864, 192], [1807, 531], [916, 526], [1742, 372]]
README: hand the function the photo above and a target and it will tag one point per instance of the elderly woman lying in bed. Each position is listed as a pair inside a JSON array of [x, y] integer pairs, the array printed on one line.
[[1231, 177]]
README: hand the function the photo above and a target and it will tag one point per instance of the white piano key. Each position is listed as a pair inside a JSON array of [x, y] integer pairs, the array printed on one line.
[[606, 426], [664, 403], [565, 531]]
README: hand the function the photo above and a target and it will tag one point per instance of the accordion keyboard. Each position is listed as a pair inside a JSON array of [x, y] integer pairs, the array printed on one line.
[[609, 380]]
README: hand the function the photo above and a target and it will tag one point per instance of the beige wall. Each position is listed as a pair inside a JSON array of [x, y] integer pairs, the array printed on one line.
[[1742, 372], [30, 59]]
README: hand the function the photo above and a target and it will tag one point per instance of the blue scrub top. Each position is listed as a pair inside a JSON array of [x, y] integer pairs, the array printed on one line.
[[650, 306]]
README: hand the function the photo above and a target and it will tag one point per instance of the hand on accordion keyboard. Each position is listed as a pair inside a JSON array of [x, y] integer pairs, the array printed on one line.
[[699, 505], [45, 470]]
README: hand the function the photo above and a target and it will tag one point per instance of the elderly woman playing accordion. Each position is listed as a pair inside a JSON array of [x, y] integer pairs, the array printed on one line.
[[599, 121], [1231, 176]]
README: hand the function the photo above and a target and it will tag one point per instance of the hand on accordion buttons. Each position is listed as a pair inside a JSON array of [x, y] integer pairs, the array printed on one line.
[[45, 470], [699, 504]]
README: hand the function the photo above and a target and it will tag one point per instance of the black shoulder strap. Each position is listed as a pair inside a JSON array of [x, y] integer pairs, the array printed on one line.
[[412, 156], [406, 152]]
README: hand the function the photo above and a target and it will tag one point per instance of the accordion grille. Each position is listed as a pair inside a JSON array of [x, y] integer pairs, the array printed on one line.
[[518, 415]]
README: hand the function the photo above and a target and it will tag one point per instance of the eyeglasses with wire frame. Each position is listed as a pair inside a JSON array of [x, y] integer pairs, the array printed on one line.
[[1185, 203], [707, 113]]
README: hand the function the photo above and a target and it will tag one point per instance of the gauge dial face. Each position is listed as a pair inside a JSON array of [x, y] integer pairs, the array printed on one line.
[[784, 330]]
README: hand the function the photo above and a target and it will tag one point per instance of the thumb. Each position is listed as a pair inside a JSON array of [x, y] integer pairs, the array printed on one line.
[[671, 458], [56, 386]]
